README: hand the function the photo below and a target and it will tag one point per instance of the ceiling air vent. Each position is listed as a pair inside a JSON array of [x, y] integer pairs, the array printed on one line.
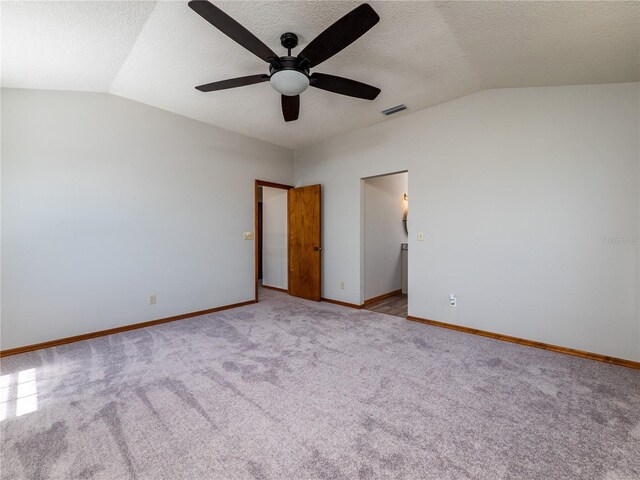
[[396, 109]]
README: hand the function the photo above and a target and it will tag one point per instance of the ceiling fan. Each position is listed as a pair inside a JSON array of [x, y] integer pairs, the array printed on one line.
[[290, 75]]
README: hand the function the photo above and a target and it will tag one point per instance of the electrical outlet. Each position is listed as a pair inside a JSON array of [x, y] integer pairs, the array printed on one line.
[[421, 236], [341, 285], [452, 300], [248, 235], [152, 299]]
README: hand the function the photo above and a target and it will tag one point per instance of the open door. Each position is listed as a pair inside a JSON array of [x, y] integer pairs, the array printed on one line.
[[303, 213]]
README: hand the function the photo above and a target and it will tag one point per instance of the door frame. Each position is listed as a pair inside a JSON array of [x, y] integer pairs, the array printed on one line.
[[363, 273], [257, 185]]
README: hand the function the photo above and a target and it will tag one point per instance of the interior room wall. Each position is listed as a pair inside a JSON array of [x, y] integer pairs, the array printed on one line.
[[523, 196], [384, 208], [274, 237], [106, 201]]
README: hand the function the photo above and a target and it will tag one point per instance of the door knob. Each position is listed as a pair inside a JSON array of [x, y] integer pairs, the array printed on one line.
[[316, 249]]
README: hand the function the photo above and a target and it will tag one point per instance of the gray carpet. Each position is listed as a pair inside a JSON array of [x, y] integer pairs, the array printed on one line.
[[290, 389]]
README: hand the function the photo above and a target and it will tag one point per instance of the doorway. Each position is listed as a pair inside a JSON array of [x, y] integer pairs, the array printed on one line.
[[287, 239], [385, 243], [271, 236]]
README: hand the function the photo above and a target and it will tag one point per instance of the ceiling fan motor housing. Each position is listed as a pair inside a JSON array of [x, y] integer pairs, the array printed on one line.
[[287, 63]]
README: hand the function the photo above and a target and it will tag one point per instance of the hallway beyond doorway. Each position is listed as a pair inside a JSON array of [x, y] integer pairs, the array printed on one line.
[[395, 305]]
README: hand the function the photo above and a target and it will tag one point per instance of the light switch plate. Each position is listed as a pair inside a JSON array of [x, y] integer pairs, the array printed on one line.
[[248, 235], [421, 236]]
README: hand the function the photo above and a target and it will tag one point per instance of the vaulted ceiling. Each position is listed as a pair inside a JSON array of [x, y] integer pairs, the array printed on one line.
[[420, 54]]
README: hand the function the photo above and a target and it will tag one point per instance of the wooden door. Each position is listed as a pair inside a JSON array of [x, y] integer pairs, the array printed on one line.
[[303, 214]]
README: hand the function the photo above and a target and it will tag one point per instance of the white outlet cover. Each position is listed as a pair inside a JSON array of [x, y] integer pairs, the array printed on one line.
[[248, 235]]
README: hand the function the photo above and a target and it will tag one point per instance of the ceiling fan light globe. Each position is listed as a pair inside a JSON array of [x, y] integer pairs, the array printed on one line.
[[289, 82]]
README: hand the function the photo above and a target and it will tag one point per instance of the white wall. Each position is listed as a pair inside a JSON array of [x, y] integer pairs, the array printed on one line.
[[384, 208], [274, 237], [105, 201], [518, 192]]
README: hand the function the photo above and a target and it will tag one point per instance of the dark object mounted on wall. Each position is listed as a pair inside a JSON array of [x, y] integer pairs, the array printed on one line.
[[290, 75], [405, 217]]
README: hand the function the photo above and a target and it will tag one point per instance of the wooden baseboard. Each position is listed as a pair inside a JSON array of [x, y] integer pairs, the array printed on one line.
[[342, 304], [277, 289], [531, 343], [381, 297], [111, 331]]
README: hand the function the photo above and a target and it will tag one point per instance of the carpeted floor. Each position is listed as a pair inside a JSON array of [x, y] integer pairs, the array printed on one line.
[[290, 389]]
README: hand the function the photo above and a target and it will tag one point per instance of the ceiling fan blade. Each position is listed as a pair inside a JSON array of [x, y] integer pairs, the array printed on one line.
[[232, 83], [290, 107], [340, 35], [343, 86], [231, 28]]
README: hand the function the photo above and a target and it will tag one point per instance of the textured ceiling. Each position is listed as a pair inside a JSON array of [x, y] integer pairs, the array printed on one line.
[[69, 45], [420, 53]]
